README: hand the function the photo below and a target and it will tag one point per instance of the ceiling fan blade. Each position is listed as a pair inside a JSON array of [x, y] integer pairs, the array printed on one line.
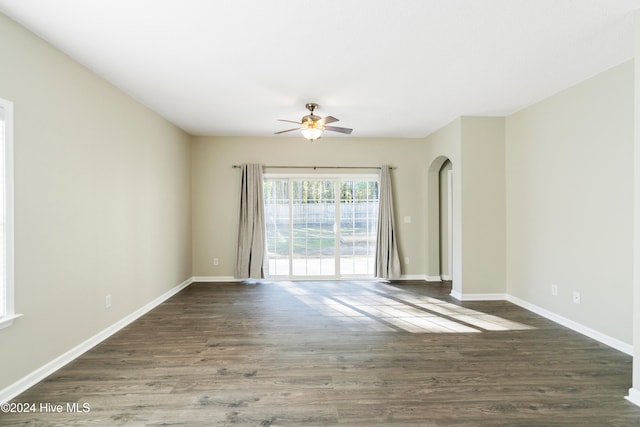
[[289, 121], [328, 119], [283, 131], [338, 129]]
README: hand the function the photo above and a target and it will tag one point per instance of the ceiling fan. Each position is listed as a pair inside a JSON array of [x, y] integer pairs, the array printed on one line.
[[312, 126]]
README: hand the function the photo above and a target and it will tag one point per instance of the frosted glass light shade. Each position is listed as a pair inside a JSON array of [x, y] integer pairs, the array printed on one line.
[[311, 133]]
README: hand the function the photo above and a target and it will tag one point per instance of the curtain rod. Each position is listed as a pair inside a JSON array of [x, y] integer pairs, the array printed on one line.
[[318, 167]]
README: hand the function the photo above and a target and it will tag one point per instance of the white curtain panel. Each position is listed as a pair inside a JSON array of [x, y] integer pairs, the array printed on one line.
[[251, 251], [387, 259]]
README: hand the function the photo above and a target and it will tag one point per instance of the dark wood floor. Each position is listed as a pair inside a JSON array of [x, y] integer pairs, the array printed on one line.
[[338, 353]]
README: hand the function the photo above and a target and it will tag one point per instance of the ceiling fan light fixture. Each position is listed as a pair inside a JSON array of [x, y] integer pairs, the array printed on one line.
[[311, 133], [312, 127]]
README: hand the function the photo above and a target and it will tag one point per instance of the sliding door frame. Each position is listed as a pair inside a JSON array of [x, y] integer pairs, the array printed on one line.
[[338, 180]]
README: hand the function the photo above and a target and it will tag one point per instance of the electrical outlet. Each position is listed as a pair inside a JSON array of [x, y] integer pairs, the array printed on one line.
[[107, 301], [216, 261], [554, 290], [576, 297], [407, 260]]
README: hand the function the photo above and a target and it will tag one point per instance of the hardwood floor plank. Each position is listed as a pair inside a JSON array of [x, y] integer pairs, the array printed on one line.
[[338, 353]]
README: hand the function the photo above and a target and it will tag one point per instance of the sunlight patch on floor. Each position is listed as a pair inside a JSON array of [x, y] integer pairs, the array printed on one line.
[[462, 314], [382, 307]]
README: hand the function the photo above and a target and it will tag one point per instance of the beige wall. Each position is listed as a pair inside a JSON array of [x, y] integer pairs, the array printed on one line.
[[102, 203], [634, 392], [483, 205], [216, 188], [475, 147], [569, 198]]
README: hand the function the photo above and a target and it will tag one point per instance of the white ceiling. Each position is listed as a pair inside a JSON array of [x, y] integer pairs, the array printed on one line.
[[386, 68]]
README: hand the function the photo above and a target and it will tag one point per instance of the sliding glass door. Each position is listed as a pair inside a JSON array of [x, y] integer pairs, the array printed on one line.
[[358, 226], [321, 226]]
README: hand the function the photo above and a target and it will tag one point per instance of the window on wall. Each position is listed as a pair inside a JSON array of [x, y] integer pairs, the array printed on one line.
[[321, 226], [6, 213]]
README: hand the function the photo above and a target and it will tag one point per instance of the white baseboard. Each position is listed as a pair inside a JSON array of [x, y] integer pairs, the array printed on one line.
[[413, 277], [482, 297], [212, 279], [477, 297], [432, 278], [445, 277], [634, 396], [584, 330], [44, 371]]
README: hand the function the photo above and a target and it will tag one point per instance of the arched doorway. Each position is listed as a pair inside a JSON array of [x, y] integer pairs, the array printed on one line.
[[446, 220], [440, 220]]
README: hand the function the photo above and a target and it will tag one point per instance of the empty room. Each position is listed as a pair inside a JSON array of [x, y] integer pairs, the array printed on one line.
[[352, 212]]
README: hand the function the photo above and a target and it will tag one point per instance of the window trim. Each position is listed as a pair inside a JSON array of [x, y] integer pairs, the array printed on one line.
[[9, 279]]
